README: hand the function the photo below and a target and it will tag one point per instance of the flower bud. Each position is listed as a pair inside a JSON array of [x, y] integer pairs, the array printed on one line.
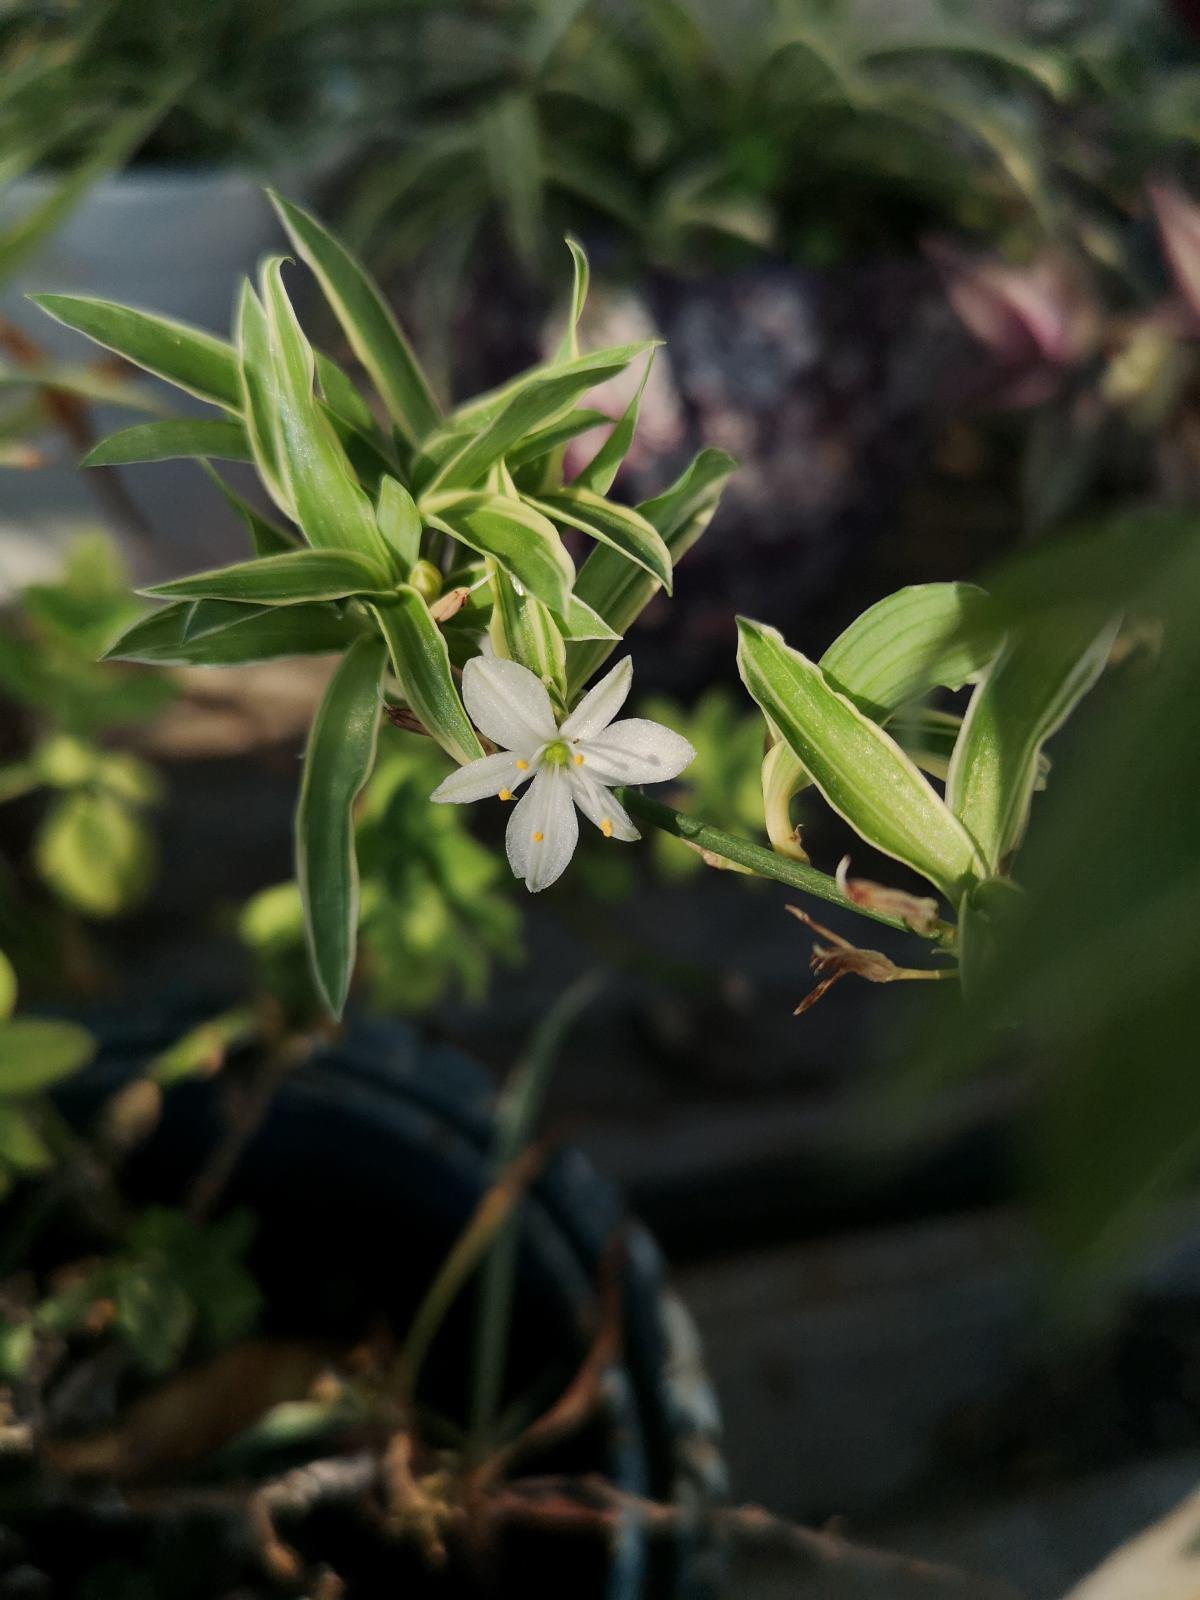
[[426, 579]]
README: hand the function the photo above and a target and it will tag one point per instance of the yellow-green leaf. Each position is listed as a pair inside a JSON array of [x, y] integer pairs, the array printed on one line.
[[861, 771], [421, 663]]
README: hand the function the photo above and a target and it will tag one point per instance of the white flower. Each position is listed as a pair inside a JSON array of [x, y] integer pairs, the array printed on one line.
[[572, 765]]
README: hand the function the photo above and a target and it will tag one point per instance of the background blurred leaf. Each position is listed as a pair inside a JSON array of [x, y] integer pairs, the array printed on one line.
[[96, 853], [1024, 698], [8, 987], [36, 1053]]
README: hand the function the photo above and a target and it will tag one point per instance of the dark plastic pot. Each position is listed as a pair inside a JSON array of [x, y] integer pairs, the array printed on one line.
[[361, 1176]]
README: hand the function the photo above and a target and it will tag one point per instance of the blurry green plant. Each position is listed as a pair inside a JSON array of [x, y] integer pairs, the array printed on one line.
[[1089, 989], [37, 394], [1138, 95], [404, 539], [35, 1054], [1098, 359], [691, 130], [239, 80], [93, 847], [170, 1288]]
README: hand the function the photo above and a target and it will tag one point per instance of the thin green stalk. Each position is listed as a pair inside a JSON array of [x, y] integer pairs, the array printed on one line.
[[516, 1120], [756, 858], [461, 1261]]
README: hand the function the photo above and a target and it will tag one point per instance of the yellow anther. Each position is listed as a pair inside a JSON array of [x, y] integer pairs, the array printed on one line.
[[579, 759], [521, 766], [606, 827], [506, 794], [538, 837]]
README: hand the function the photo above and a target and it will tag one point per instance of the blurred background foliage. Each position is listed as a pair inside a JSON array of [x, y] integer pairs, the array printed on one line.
[[93, 846]]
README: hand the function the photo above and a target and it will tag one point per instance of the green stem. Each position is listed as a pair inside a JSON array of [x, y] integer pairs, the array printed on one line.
[[761, 861]]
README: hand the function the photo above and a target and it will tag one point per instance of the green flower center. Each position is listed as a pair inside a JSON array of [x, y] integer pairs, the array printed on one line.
[[557, 754]]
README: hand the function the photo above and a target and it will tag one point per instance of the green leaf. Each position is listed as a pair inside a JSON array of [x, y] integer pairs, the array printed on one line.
[[296, 575], [579, 623], [862, 773], [162, 639], [259, 393], [342, 398], [600, 471], [614, 525], [522, 629], [421, 663], [620, 592], [930, 635], [191, 359], [511, 147], [544, 441], [22, 1148], [36, 1053], [1050, 70], [926, 636], [682, 512], [533, 402], [525, 543], [8, 987], [373, 333], [95, 852], [1037, 680], [168, 441], [340, 755], [568, 348], [399, 522], [331, 508]]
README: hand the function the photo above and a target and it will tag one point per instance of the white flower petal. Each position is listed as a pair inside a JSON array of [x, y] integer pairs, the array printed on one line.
[[600, 704], [543, 830], [508, 703], [600, 807], [490, 775], [636, 751]]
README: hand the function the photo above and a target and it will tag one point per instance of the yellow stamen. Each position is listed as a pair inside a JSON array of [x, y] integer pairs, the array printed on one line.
[[606, 827], [506, 794], [521, 766], [579, 759], [538, 837]]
